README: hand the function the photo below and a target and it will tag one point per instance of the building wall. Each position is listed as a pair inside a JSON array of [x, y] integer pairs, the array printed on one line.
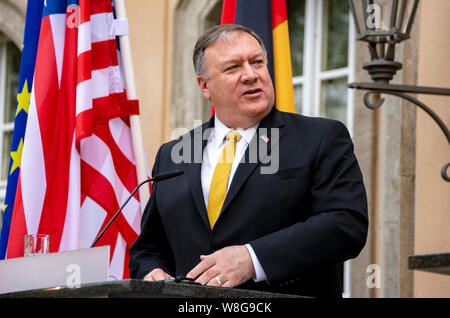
[[432, 197], [151, 44], [12, 20], [365, 140]]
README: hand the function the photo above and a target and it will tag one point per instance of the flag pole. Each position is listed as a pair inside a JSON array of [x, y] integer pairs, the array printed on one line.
[[135, 124]]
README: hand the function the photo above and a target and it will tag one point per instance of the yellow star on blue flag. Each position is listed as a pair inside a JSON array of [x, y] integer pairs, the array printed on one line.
[[23, 99], [16, 157]]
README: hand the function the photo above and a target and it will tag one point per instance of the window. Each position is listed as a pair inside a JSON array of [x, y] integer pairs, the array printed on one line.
[[321, 57], [9, 80]]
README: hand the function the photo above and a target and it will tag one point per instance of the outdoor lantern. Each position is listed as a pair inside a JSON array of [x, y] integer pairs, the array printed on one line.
[[383, 24]]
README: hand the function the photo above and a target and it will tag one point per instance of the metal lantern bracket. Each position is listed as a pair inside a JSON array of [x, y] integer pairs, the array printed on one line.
[[402, 92]]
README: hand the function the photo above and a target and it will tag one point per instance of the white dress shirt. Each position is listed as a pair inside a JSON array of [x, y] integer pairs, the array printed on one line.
[[211, 154]]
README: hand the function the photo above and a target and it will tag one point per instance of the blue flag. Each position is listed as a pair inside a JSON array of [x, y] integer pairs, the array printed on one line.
[[30, 44]]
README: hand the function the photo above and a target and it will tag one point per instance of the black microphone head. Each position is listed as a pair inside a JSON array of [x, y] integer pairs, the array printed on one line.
[[167, 175]]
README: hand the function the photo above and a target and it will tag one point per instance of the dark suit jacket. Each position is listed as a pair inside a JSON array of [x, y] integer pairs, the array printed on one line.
[[301, 221]]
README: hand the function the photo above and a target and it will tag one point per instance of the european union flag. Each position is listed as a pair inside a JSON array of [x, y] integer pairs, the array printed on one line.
[[30, 44]]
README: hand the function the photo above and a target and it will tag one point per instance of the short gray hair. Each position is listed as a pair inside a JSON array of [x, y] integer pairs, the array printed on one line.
[[213, 34]]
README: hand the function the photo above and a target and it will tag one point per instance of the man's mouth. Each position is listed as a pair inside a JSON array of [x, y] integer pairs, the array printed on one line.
[[252, 92]]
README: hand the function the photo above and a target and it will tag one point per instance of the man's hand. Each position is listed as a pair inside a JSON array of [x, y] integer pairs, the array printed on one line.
[[231, 265], [157, 274]]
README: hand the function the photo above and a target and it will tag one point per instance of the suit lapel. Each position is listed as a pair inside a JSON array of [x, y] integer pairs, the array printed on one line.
[[194, 168], [251, 159]]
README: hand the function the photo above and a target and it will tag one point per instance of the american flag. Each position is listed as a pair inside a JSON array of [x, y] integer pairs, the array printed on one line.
[[78, 164]]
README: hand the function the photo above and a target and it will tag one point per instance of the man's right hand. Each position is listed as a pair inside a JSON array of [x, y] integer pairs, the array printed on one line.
[[156, 275]]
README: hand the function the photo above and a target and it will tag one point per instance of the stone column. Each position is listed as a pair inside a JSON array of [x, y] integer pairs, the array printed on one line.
[[385, 146]]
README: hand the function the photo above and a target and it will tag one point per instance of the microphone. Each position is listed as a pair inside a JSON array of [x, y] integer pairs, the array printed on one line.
[[164, 176], [157, 178]]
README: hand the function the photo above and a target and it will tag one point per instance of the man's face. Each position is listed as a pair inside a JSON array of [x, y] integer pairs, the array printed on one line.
[[238, 82]]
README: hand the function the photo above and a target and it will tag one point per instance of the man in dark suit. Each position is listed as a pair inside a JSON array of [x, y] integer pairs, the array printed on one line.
[[278, 212]]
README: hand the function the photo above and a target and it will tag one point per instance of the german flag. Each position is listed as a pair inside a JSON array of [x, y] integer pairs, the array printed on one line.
[[268, 18]]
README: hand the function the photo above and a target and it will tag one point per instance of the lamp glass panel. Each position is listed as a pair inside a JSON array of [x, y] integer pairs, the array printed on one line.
[[376, 15]]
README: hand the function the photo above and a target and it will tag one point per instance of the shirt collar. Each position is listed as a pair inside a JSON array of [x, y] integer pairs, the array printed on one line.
[[221, 130]]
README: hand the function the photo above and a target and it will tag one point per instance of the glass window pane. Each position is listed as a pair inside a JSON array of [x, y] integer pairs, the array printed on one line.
[[296, 23], [298, 98], [12, 81], [335, 34], [7, 139], [333, 102]]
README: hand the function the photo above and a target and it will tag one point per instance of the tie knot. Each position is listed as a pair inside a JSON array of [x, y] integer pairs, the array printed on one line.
[[233, 135]]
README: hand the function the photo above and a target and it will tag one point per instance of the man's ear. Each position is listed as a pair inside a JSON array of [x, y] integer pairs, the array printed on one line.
[[202, 83]]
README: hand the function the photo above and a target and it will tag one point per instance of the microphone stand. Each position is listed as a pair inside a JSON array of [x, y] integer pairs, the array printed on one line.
[[157, 178]]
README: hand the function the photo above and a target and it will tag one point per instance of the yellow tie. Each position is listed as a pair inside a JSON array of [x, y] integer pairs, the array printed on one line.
[[218, 189]]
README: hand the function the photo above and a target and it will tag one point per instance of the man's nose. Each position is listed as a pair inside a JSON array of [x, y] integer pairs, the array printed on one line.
[[249, 75]]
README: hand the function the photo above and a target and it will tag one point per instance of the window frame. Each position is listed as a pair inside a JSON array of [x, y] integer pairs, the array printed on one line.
[[4, 127], [3, 59], [313, 75]]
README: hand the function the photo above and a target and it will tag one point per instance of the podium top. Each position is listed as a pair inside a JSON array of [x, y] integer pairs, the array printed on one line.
[[138, 288], [89, 265]]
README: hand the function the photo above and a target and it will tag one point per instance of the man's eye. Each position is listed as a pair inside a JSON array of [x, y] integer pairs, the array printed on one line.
[[229, 68], [259, 62]]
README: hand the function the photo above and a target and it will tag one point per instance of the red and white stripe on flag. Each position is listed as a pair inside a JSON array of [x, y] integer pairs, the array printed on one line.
[[78, 164]]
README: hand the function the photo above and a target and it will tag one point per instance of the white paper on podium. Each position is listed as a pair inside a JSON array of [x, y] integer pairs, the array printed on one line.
[[65, 269]]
